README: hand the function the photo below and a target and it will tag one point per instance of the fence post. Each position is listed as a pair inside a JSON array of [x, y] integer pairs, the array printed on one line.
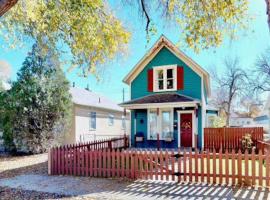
[[110, 145], [49, 162], [158, 142], [125, 141]]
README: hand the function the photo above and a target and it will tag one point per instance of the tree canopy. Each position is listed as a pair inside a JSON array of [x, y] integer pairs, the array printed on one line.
[[92, 33], [37, 108], [203, 23], [87, 28]]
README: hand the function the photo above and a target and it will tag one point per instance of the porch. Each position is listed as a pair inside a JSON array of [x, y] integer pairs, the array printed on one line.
[[167, 120]]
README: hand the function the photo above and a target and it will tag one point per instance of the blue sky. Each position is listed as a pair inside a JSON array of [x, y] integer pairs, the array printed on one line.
[[247, 47]]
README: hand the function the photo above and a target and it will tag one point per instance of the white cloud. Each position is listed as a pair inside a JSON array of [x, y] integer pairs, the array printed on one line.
[[5, 70]]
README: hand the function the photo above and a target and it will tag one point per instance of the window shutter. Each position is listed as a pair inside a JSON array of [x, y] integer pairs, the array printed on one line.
[[150, 80], [180, 78]]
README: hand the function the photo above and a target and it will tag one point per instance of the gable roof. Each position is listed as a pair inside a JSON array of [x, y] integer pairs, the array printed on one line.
[[151, 53], [88, 98]]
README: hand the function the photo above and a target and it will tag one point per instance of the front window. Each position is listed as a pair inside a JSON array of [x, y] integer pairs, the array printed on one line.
[[153, 124], [165, 78], [166, 125], [161, 123]]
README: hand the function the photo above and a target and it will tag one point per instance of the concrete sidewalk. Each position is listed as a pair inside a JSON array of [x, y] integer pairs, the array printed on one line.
[[101, 188]]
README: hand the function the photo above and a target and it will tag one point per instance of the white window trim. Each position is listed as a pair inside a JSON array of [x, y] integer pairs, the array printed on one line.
[[159, 122], [90, 122], [111, 116], [164, 68]]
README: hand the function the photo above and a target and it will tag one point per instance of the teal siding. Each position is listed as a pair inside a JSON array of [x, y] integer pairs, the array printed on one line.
[[205, 94], [200, 126], [192, 81]]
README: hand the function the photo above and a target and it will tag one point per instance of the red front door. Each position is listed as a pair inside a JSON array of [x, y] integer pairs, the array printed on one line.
[[186, 129]]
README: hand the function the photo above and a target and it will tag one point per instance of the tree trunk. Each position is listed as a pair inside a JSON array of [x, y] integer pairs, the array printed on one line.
[[5, 5]]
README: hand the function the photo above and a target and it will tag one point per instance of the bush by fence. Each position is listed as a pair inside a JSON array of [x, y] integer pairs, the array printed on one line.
[[230, 168]]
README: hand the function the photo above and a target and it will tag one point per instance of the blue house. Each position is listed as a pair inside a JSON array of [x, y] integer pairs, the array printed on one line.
[[169, 93]]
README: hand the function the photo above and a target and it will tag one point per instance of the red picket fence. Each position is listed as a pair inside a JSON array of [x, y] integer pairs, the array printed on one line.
[[211, 167], [113, 143], [230, 138]]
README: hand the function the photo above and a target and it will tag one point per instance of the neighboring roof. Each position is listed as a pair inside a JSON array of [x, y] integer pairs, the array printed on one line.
[[164, 42], [239, 115], [87, 98], [211, 107], [161, 98], [261, 118]]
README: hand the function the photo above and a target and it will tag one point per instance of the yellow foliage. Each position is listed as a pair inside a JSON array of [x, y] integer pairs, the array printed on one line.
[[86, 27], [205, 23]]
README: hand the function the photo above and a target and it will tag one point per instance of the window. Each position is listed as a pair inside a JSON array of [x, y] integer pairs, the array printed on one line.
[[123, 122], [161, 123], [93, 120], [166, 124], [165, 78], [153, 125], [111, 120]]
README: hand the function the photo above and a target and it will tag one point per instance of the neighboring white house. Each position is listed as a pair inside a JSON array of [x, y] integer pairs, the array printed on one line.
[[264, 118], [95, 117], [238, 120]]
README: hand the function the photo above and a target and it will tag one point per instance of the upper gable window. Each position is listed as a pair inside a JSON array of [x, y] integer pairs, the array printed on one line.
[[165, 78]]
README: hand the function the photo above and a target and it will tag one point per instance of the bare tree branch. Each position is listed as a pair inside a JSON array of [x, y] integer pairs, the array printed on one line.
[[146, 15]]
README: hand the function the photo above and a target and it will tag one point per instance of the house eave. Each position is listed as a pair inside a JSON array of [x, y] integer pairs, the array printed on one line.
[[160, 105]]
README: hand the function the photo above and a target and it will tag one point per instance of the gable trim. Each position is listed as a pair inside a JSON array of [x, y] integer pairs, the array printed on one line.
[[164, 42]]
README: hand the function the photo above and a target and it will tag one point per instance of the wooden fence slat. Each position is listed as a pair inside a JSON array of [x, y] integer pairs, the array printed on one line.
[[233, 167], [167, 164], [220, 166], [260, 167], [239, 167], [179, 166], [267, 169], [161, 164], [122, 163], [173, 165], [202, 166], [214, 167], [151, 164], [190, 165], [253, 166], [227, 167], [196, 165], [185, 165], [156, 166]]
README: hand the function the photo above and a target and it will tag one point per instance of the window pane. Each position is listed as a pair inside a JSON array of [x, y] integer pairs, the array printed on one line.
[[153, 124], [123, 122], [166, 124], [160, 74], [93, 120], [170, 84], [160, 85], [169, 73], [111, 119]]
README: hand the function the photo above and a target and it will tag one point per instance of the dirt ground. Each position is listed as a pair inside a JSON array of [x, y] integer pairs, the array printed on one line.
[[25, 177]]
